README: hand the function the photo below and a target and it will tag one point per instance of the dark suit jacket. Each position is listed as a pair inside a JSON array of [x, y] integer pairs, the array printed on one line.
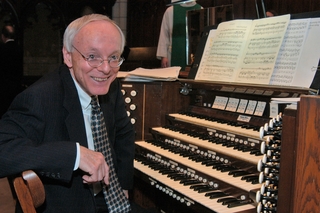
[[40, 130]]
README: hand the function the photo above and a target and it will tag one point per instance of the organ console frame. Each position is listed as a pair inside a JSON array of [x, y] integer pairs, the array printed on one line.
[[299, 180]]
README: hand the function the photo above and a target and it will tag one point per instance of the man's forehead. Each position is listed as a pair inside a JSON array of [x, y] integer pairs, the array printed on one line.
[[96, 34], [99, 24], [97, 28]]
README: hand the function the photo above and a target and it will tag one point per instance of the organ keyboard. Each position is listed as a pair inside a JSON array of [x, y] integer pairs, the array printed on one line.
[[238, 130], [211, 171], [223, 150], [219, 160], [185, 194]]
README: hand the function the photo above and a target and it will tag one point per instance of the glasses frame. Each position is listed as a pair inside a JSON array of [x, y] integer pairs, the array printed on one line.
[[121, 60]]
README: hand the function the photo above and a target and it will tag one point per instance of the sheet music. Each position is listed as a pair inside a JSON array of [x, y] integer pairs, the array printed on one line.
[[156, 74], [243, 51], [310, 56], [222, 51], [288, 58], [262, 49]]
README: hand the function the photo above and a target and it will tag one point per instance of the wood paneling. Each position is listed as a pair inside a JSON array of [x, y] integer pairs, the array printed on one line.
[[292, 6], [144, 21], [299, 180], [152, 101], [306, 194]]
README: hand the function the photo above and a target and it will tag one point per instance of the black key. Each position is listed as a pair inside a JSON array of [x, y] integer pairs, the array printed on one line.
[[197, 188], [250, 178], [175, 175], [182, 177], [209, 189], [189, 182], [167, 171], [216, 194], [239, 203], [225, 201], [238, 173], [212, 163]]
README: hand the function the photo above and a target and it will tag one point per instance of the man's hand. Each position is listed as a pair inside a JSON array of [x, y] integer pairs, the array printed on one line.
[[95, 165], [164, 62], [126, 193]]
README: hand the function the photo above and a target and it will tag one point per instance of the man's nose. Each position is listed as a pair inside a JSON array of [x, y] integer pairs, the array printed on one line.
[[105, 67]]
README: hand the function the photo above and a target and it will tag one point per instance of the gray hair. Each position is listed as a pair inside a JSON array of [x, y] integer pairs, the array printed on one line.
[[75, 26]]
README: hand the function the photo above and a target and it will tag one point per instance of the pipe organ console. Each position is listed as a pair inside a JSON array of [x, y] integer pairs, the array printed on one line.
[[222, 152]]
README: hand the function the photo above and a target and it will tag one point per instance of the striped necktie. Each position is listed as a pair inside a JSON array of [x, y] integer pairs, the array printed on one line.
[[113, 194]]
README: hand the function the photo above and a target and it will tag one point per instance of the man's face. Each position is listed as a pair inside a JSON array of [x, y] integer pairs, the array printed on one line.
[[98, 38]]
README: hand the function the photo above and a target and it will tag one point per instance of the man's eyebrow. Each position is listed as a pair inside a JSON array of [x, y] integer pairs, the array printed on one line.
[[116, 52]]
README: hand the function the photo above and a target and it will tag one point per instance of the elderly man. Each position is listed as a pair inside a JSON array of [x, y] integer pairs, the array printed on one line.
[[54, 127]]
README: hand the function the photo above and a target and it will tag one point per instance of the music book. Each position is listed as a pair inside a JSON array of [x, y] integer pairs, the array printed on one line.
[[269, 51], [146, 75]]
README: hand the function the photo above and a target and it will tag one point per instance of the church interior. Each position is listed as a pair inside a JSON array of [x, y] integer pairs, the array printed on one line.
[[154, 106]]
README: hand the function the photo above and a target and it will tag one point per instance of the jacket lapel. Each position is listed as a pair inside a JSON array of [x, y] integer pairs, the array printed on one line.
[[74, 120]]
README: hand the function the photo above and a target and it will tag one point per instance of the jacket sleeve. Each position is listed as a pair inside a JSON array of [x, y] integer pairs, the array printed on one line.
[[27, 141]]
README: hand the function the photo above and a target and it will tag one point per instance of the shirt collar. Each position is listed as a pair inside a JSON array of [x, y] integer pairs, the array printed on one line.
[[85, 99]]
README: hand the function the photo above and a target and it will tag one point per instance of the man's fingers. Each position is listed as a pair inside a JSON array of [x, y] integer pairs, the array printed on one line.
[[106, 180], [95, 166]]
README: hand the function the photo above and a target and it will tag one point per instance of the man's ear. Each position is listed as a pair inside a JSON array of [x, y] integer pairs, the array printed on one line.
[[67, 57]]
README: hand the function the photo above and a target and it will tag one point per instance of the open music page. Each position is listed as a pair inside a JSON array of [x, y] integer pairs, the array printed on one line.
[[222, 51], [243, 51], [290, 53], [262, 49], [309, 59]]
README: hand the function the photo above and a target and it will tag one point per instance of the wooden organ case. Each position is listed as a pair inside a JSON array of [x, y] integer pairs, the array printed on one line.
[[147, 103], [210, 159]]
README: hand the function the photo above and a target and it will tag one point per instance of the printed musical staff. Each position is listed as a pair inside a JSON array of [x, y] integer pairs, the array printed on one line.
[[243, 51]]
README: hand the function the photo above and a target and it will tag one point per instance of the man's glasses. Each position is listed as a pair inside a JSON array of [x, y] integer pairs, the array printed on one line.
[[95, 61]]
